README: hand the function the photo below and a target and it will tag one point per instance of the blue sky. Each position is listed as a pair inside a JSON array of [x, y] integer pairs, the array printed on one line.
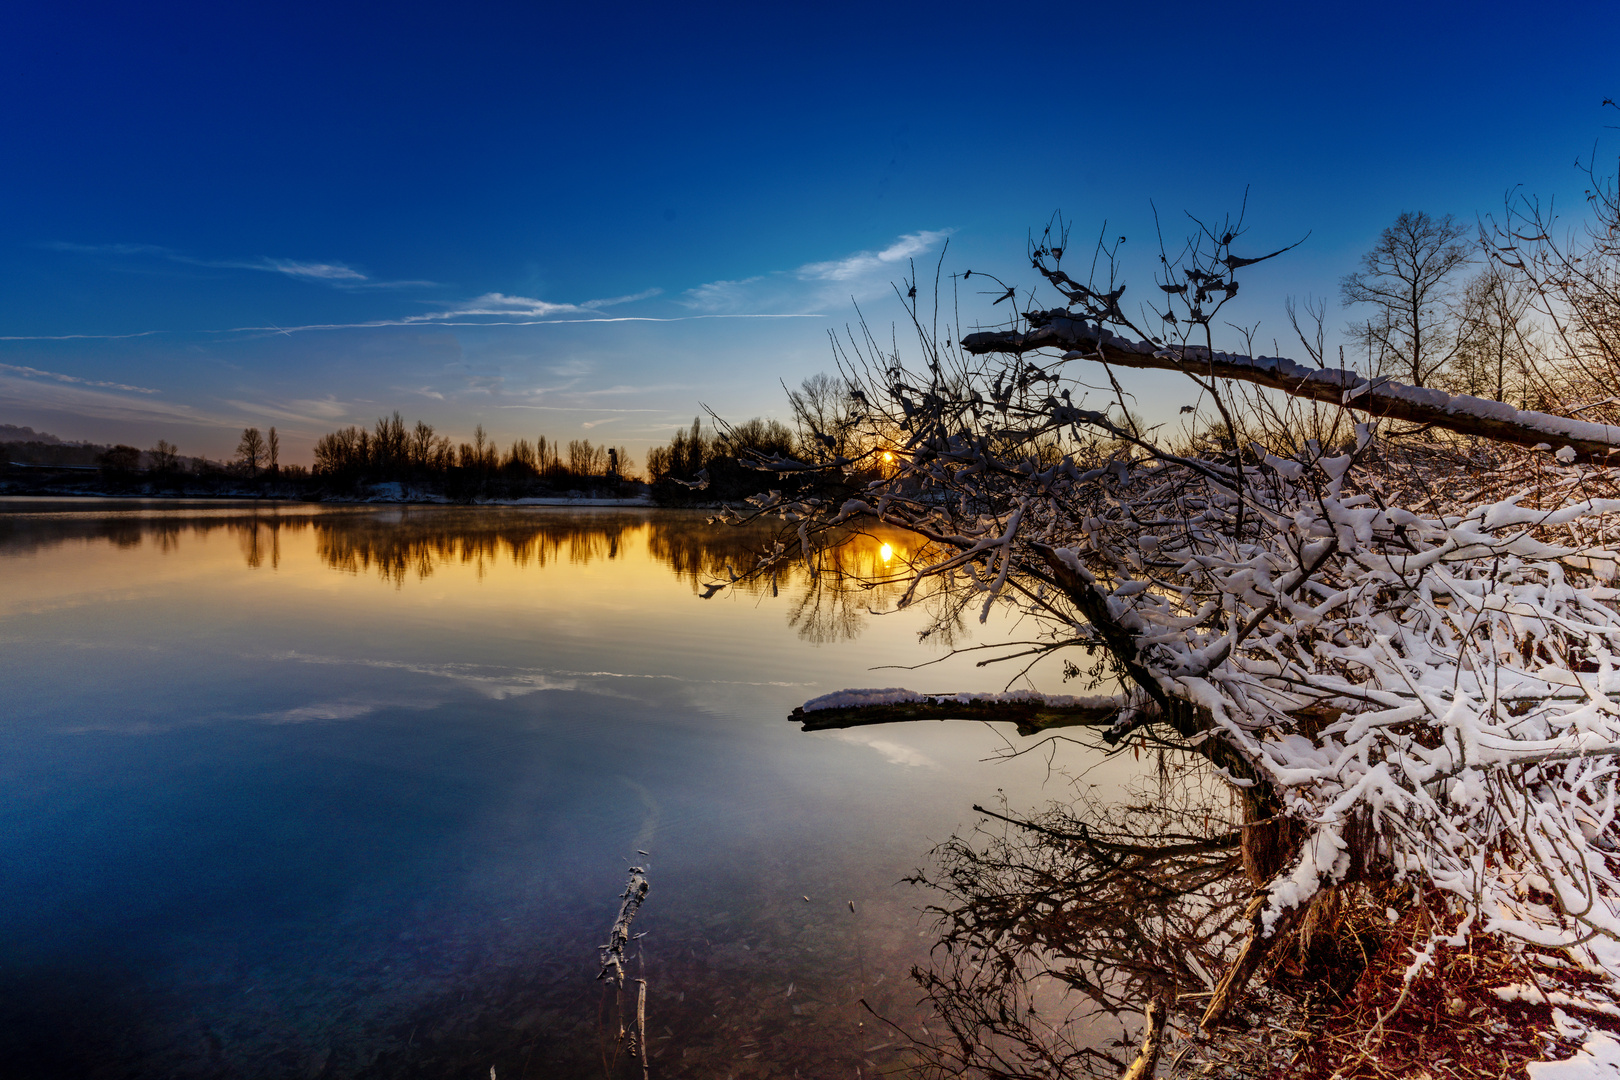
[[585, 221]]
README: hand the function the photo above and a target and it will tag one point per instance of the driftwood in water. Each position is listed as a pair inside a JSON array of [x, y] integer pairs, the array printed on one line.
[[1031, 715], [641, 1025], [634, 1039], [613, 952]]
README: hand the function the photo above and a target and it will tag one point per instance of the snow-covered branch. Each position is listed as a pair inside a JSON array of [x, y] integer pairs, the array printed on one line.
[[1406, 658], [1078, 339]]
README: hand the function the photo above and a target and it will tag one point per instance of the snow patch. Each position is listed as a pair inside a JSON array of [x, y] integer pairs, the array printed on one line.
[[1597, 1059]]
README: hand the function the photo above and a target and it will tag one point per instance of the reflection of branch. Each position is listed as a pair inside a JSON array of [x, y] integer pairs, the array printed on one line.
[[1192, 845]]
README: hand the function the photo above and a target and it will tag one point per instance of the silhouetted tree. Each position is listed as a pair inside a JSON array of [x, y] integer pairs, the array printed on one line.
[[1574, 277], [163, 456], [1407, 279], [1498, 352], [822, 414], [250, 451], [120, 459], [272, 451]]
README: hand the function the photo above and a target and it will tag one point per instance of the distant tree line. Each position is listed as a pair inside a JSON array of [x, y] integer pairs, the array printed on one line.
[[37, 459], [351, 461], [702, 464], [418, 457], [712, 465]]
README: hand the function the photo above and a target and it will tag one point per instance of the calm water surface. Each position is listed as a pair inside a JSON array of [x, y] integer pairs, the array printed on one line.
[[301, 792]]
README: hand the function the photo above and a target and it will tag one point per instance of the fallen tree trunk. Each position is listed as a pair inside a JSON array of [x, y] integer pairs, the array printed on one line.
[[1082, 340]]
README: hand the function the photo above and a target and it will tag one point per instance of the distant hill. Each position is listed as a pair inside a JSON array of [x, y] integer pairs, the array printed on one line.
[[29, 447], [13, 433]]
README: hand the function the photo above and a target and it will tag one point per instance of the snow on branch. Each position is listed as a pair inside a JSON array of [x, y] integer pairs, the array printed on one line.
[[1412, 666], [1079, 339]]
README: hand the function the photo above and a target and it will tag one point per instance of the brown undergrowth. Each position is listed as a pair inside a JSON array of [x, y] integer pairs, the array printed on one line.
[[1337, 1005]]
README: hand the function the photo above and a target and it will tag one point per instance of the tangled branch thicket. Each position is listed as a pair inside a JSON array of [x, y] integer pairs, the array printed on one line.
[[1403, 654]]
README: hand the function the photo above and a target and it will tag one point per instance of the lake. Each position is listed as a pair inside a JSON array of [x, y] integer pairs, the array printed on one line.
[[303, 791]]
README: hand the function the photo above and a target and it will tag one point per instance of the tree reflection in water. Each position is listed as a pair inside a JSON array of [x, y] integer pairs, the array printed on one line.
[[857, 573]]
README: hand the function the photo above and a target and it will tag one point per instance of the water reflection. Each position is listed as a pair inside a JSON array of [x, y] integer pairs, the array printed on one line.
[[325, 792], [860, 572]]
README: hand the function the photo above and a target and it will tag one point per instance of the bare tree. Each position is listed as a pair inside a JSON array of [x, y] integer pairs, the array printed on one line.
[[582, 457], [422, 445], [250, 451], [1498, 353], [272, 450], [1407, 279], [163, 456], [821, 413], [1574, 273]]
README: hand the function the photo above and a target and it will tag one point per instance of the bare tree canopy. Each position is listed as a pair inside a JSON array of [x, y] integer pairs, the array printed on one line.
[[1407, 278], [250, 451]]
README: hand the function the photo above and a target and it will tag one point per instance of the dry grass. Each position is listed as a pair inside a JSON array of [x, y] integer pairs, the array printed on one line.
[[1337, 1006]]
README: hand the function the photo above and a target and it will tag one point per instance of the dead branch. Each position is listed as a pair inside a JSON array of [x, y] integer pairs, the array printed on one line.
[[1082, 340], [1031, 715], [619, 936], [1158, 1011]]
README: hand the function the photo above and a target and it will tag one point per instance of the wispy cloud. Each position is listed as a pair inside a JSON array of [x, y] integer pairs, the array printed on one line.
[[572, 368], [423, 321], [581, 408], [309, 270], [864, 263], [86, 398], [645, 294], [331, 273], [506, 306], [587, 425], [36, 373], [721, 295], [500, 304], [82, 337], [302, 411], [816, 286]]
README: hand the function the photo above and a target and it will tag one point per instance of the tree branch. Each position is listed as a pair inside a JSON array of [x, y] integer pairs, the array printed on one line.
[[1081, 340], [1032, 714]]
